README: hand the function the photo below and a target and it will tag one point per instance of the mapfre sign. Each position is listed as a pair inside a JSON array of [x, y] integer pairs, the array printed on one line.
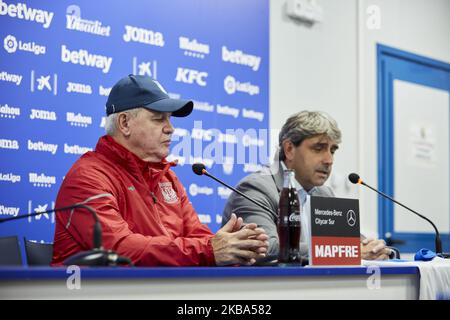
[[335, 234]]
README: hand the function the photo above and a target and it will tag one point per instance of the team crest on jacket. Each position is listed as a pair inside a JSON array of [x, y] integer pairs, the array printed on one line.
[[170, 196]]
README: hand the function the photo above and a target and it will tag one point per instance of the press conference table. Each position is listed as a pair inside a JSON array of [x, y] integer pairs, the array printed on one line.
[[224, 283]]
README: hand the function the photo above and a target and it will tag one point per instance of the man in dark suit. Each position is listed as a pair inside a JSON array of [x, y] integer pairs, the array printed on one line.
[[307, 143]]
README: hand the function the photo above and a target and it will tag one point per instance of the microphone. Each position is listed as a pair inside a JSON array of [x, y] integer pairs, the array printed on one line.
[[199, 169], [95, 257], [355, 179]]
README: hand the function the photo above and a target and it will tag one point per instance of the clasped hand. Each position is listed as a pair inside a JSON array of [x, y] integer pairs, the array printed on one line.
[[238, 244]]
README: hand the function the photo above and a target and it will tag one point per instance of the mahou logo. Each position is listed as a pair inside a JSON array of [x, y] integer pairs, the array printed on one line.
[[78, 119], [41, 180], [193, 48], [9, 112]]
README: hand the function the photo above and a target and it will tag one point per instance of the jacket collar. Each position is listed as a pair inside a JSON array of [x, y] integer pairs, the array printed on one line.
[[114, 151], [277, 172]]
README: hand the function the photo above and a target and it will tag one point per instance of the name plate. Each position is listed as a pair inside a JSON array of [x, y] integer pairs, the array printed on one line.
[[335, 232]]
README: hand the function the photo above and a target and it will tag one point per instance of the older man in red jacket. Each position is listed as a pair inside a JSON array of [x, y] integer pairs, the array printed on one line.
[[143, 209]]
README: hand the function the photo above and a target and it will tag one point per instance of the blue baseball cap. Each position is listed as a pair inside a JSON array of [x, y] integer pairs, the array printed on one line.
[[135, 91]]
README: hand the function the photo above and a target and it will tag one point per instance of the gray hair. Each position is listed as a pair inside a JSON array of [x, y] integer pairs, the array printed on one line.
[[111, 120], [306, 124]]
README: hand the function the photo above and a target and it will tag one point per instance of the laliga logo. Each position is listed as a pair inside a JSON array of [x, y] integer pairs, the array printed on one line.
[[229, 84], [193, 190], [10, 44]]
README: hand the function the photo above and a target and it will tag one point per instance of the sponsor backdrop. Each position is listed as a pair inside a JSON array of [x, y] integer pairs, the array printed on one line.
[[59, 60]]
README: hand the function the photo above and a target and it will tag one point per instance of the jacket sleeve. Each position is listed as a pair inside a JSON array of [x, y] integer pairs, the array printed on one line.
[[263, 191], [143, 250]]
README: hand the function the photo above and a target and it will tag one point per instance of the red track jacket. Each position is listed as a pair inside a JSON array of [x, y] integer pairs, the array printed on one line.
[[143, 209]]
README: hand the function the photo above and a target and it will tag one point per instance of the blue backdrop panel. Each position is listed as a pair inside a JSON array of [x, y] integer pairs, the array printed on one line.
[[59, 59]]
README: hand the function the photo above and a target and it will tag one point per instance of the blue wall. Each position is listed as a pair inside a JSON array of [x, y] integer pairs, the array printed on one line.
[[59, 59]]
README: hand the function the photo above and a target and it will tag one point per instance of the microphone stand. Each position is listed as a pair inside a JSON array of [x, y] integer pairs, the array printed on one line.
[[97, 256], [437, 241], [199, 169], [206, 173]]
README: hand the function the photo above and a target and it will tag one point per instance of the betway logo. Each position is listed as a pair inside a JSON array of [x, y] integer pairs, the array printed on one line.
[[252, 114], [11, 45], [230, 111], [9, 144], [104, 91], [203, 106], [84, 58], [74, 22], [42, 146], [196, 190], [9, 211], [75, 149], [231, 86], [42, 115], [239, 57], [145, 36], [9, 77], [9, 177], [78, 88], [9, 112], [78, 119], [39, 180], [190, 75], [21, 11]]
